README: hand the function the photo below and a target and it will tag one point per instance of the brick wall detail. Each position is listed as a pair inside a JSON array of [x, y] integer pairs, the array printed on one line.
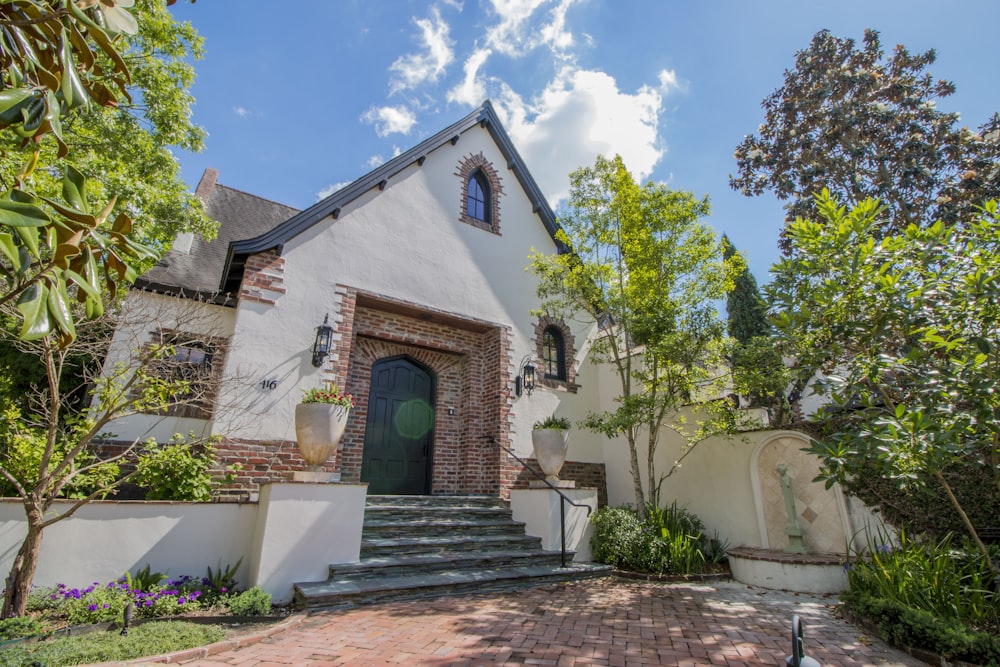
[[263, 278], [585, 474]]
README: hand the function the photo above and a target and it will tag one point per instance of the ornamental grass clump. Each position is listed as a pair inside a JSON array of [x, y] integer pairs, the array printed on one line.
[[330, 394], [945, 579]]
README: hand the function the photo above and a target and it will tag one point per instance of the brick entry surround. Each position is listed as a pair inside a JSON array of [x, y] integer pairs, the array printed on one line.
[[473, 402]]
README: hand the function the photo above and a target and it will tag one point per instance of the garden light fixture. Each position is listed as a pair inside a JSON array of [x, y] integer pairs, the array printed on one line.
[[324, 338], [525, 382]]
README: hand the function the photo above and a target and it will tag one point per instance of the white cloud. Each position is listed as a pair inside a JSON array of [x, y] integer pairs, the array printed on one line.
[[412, 69], [388, 120], [670, 83], [579, 115], [241, 111], [375, 161], [330, 189], [516, 33], [472, 89]]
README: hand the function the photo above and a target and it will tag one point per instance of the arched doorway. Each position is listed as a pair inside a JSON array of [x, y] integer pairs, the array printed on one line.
[[399, 431]]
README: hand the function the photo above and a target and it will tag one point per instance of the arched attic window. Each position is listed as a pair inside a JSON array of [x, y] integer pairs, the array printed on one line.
[[478, 197], [481, 193]]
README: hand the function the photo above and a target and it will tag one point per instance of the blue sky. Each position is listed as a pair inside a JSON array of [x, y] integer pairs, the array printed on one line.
[[300, 98]]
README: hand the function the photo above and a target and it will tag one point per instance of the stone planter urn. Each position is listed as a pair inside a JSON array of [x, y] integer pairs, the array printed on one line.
[[550, 450], [318, 430]]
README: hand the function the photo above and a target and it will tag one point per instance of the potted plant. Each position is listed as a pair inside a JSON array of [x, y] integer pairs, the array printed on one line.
[[320, 420], [550, 438]]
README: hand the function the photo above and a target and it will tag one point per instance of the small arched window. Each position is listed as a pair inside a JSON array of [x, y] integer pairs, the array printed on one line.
[[477, 197], [553, 354]]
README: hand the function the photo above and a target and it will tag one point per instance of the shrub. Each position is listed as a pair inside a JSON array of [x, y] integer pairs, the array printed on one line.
[[905, 625], [948, 581], [669, 540], [251, 602], [176, 471]]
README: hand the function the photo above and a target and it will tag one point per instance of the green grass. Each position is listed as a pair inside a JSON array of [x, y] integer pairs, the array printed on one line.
[[147, 639]]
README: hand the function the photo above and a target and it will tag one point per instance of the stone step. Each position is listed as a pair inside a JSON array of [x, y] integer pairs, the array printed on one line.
[[435, 501], [393, 546], [421, 564], [417, 547], [337, 593], [441, 526], [383, 513]]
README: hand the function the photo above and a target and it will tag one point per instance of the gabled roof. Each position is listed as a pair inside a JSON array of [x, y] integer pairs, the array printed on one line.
[[277, 236], [195, 273]]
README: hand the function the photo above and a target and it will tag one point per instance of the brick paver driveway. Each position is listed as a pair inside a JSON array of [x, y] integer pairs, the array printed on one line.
[[598, 622]]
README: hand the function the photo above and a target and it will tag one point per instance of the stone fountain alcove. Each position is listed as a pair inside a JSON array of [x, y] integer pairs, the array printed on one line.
[[822, 515]]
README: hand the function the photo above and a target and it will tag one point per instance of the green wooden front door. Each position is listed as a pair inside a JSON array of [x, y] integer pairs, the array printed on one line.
[[399, 431]]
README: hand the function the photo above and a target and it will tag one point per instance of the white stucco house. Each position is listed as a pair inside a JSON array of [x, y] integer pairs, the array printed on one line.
[[407, 288], [418, 270]]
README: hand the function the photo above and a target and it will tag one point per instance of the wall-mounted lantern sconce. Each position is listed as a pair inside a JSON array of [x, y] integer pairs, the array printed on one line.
[[324, 338], [525, 382]]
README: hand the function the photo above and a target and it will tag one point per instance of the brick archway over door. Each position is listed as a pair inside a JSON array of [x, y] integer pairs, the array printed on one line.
[[470, 360]]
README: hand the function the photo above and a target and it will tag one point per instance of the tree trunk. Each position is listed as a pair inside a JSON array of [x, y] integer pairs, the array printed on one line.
[[968, 524], [22, 571], [640, 499]]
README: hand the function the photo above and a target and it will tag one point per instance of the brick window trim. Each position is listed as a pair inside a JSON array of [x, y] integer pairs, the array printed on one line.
[[219, 346], [469, 166], [569, 384]]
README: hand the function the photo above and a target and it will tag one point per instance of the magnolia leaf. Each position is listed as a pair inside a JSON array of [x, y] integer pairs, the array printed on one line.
[[73, 93], [65, 251], [12, 101], [33, 305], [123, 224], [75, 189], [18, 214], [84, 219], [59, 308], [29, 239], [106, 211], [9, 249]]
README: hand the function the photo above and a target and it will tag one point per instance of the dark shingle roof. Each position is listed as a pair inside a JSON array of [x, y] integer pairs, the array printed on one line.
[[240, 215]]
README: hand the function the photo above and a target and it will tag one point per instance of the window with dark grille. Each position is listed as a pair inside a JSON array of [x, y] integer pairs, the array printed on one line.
[[477, 197], [553, 354], [194, 362]]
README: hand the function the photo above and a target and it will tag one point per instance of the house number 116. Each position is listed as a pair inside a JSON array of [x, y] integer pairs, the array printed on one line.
[[268, 384]]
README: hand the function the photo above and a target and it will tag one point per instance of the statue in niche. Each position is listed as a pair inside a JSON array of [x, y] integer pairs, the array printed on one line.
[[792, 528]]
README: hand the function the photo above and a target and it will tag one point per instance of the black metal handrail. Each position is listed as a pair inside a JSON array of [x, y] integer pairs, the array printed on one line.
[[563, 499]]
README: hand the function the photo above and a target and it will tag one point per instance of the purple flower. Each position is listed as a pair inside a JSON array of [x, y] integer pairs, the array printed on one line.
[[92, 607], [181, 600], [105, 606], [149, 603]]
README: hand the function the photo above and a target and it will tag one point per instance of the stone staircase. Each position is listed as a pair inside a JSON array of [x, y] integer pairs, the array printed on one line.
[[417, 547]]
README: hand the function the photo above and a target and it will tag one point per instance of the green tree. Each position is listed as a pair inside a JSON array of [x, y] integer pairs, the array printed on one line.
[[759, 372], [745, 309], [903, 333], [66, 90], [47, 449], [645, 269], [862, 125]]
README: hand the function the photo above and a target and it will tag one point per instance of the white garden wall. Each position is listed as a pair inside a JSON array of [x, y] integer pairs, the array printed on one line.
[[292, 535]]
